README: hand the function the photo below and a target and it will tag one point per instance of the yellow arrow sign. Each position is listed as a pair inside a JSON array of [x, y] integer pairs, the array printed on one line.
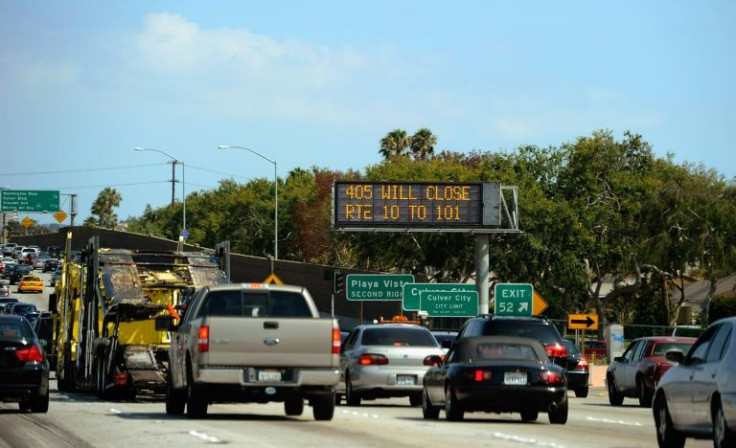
[[538, 304], [273, 279], [582, 321]]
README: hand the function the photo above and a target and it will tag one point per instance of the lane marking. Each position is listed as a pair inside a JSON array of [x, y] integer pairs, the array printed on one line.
[[524, 440], [615, 422], [204, 436]]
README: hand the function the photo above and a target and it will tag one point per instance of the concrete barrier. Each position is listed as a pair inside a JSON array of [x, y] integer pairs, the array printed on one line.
[[598, 375]]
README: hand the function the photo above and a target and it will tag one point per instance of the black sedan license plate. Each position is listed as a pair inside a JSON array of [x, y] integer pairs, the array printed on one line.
[[514, 378]]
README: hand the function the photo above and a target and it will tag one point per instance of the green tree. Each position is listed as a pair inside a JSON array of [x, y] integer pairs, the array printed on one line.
[[103, 206], [422, 144], [395, 143]]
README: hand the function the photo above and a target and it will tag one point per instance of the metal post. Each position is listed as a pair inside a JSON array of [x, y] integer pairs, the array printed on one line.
[[183, 198], [173, 181], [482, 265]]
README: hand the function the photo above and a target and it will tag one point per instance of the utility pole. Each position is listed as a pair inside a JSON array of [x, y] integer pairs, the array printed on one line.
[[173, 180]]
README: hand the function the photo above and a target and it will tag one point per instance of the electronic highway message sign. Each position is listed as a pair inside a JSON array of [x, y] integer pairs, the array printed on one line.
[[420, 206]]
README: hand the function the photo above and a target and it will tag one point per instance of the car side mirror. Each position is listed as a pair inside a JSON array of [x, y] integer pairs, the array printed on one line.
[[619, 359], [165, 323], [44, 342], [435, 360], [674, 356]]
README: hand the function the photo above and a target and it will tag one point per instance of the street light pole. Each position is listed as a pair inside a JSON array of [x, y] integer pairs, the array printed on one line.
[[275, 198], [174, 161]]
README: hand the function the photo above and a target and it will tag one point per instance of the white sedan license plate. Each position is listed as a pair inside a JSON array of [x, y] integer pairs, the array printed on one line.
[[514, 378], [405, 380], [269, 375]]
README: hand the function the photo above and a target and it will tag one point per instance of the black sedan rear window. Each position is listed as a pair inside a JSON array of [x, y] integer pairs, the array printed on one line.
[[546, 334], [505, 351], [399, 337]]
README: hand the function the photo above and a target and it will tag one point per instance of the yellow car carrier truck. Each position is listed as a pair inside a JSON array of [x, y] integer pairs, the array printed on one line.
[[114, 307]]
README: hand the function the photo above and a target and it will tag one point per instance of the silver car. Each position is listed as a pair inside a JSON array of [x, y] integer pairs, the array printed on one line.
[[697, 398], [386, 360]]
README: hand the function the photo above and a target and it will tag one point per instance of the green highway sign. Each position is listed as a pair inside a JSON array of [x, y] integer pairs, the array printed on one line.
[[29, 201], [513, 299], [376, 286], [449, 303], [412, 291]]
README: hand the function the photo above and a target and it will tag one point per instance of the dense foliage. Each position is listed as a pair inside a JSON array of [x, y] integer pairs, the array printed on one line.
[[594, 212]]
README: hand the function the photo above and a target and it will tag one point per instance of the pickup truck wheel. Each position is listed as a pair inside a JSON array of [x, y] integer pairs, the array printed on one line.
[[196, 399], [323, 407], [294, 406], [176, 400], [352, 398]]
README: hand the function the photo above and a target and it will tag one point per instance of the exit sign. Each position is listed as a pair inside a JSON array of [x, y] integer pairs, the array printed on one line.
[[513, 299]]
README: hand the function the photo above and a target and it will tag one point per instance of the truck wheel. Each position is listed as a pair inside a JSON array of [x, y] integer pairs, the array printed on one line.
[[294, 406], [100, 381], [176, 400], [196, 399], [323, 407]]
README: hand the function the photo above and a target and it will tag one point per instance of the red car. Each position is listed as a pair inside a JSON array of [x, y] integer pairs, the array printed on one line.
[[637, 372]]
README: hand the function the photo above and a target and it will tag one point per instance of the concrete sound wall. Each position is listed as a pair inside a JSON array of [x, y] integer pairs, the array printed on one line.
[[243, 269]]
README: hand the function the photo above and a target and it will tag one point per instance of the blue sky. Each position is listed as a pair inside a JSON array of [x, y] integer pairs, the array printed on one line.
[[319, 83]]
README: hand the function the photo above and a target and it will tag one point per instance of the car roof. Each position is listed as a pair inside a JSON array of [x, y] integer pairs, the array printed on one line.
[[255, 287], [659, 339], [468, 345]]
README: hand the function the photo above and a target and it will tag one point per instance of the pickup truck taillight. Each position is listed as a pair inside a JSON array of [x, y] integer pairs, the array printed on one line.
[[371, 359], [203, 339], [336, 341]]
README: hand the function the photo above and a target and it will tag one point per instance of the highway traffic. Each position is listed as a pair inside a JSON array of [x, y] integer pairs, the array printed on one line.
[[82, 420]]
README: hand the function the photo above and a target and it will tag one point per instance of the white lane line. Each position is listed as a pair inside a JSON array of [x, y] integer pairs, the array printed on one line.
[[360, 414], [524, 440], [615, 422], [115, 411], [204, 436]]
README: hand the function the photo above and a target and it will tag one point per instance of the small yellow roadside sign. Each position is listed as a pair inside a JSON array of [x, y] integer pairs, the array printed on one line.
[[27, 222], [538, 304], [273, 279], [582, 321], [60, 216]]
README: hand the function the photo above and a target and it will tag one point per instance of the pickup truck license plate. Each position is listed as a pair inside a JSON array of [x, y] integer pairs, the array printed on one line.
[[406, 380], [269, 375], [514, 378]]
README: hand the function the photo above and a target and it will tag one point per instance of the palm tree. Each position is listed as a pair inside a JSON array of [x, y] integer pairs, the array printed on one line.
[[395, 143], [103, 205], [422, 144]]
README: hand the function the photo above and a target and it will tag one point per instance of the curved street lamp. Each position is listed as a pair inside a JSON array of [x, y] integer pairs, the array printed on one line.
[[275, 199], [174, 161]]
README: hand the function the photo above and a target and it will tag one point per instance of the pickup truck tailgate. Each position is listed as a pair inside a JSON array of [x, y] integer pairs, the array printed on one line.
[[271, 342]]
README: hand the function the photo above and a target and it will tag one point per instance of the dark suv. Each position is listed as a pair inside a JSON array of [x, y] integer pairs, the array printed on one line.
[[539, 328]]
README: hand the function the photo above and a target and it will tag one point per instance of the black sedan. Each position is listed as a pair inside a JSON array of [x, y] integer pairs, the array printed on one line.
[[498, 374], [697, 396], [578, 370], [24, 370]]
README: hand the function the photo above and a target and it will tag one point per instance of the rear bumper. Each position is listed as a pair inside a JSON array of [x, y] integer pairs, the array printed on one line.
[[577, 379], [382, 382], [21, 384], [246, 377], [504, 399]]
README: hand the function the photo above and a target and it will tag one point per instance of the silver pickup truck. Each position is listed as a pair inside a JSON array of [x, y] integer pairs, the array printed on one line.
[[253, 343]]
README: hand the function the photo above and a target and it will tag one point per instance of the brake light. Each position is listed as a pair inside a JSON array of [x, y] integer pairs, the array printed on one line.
[[121, 379], [371, 359], [582, 364], [550, 377], [481, 375], [336, 341], [556, 350], [203, 339], [31, 353], [431, 360]]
